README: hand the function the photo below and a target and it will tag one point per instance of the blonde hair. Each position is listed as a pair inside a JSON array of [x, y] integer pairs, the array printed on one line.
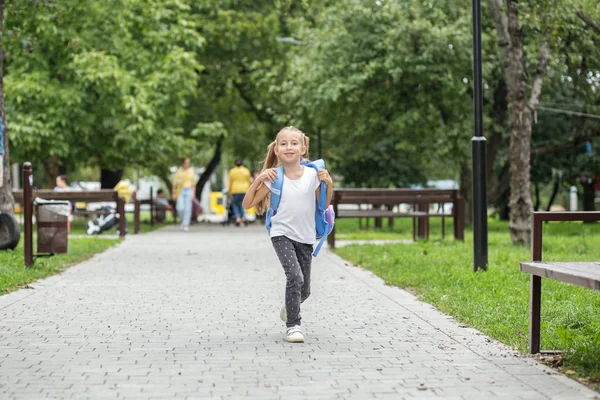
[[271, 161]]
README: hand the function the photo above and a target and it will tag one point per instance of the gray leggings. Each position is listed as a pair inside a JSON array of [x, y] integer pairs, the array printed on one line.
[[295, 259]]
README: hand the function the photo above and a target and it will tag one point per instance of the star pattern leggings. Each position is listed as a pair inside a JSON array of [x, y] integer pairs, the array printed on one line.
[[296, 259]]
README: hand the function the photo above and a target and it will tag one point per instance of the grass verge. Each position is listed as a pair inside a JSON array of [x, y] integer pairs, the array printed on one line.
[[496, 302], [14, 275]]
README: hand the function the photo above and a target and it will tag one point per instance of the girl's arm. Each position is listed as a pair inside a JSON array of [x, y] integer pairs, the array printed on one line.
[[255, 194], [324, 177], [257, 191]]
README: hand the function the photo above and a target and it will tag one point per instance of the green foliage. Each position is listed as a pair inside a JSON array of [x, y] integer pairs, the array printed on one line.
[[107, 83], [388, 84], [139, 83]]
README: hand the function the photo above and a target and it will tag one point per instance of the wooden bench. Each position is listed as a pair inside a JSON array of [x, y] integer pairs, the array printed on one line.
[[380, 203], [585, 274]]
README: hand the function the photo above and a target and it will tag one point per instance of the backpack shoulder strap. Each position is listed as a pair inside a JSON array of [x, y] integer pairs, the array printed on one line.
[[319, 245], [276, 188]]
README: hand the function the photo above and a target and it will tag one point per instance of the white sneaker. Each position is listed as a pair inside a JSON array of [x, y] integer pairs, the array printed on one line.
[[294, 334], [283, 313]]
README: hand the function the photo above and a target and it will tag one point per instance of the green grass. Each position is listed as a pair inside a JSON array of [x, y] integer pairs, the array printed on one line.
[[497, 301], [14, 275]]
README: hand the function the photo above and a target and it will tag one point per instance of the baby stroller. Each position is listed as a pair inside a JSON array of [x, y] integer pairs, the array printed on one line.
[[104, 222], [229, 217], [249, 216]]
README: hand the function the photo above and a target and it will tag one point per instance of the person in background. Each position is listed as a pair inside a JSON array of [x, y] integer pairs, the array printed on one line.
[[62, 184], [161, 205], [184, 190], [123, 187], [239, 182]]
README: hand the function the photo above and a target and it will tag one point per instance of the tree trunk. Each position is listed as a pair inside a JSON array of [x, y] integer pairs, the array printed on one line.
[[466, 186], [52, 168], [210, 168], [520, 135], [554, 193], [536, 186], [6, 198], [500, 110], [510, 43], [167, 181], [109, 178], [588, 194], [500, 193], [520, 145]]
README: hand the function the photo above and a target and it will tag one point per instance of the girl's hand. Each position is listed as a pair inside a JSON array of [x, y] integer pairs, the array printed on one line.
[[325, 177], [267, 175]]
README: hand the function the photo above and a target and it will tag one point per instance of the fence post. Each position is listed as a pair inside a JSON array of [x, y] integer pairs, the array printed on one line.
[[122, 218], [331, 237], [423, 222], [151, 206], [458, 211], [443, 223], [535, 286], [28, 214], [136, 214], [377, 219]]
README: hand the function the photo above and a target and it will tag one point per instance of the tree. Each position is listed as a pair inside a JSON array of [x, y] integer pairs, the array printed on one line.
[[6, 197], [511, 43], [388, 84], [106, 84]]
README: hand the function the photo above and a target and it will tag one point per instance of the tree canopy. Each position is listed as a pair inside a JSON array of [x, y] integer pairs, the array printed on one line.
[[387, 84]]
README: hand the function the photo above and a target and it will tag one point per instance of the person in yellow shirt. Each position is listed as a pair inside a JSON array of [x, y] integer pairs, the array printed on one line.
[[239, 182], [184, 190], [123, 187]]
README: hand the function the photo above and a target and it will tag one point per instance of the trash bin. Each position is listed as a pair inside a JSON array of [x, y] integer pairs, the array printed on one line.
[[52, 225]]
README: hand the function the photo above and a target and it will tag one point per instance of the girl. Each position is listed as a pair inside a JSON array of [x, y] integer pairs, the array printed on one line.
[[293, 226], [184, 188]]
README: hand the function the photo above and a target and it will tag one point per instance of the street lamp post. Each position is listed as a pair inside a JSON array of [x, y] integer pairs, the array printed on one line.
[[480, 239]]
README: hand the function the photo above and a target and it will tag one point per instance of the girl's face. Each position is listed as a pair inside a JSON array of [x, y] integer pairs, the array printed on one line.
[[290, 147], [186, 163]]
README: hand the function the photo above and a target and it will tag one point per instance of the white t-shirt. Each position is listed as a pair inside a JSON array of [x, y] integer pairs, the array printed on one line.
[[295, 216]]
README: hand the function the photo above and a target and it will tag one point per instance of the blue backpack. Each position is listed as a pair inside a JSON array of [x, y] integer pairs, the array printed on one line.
[[324, 217]]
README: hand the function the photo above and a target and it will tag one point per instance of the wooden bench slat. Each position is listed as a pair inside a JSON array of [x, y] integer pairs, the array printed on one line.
[[384, 214], [393, 200], [585, 274], [371, 191], [76, 196], [377, 214]]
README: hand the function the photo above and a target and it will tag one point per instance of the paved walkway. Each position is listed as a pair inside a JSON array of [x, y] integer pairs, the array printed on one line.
[[170, 315]]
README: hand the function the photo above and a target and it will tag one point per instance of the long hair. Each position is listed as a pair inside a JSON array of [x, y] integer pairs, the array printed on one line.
[[271, 161]]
